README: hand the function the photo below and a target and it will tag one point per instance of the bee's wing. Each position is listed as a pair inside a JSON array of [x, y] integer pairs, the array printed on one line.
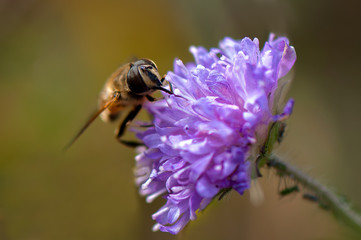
[[91, 119]]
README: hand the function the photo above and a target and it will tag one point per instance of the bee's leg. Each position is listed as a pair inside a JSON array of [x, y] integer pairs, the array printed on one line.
[[163, 78], [170, 84], [123, 126], [171, 87], [150, 98], [146, 125]]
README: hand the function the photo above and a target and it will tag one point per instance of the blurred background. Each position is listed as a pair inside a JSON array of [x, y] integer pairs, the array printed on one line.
[[55, 57]]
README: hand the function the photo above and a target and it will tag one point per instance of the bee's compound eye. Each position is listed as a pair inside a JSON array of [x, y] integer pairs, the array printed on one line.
[[135, 81]]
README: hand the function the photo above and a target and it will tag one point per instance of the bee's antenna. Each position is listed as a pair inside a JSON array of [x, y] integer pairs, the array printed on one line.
[[91, 119]]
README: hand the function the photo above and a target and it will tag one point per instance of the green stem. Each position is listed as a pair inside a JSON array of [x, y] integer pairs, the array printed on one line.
[[339, 207]]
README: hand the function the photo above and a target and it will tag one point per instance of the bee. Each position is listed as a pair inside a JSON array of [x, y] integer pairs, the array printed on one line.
[[128, 87]]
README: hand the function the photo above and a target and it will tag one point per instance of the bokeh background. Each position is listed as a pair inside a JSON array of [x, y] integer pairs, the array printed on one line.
[[54, 58]]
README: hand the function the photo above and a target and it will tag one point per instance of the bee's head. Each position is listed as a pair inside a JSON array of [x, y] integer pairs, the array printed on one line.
[[143, 77]]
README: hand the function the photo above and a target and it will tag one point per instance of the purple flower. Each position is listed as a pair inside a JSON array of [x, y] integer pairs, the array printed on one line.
[[208, 139]]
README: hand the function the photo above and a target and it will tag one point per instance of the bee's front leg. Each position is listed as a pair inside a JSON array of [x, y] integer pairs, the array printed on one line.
[[150, 98], [123, 126]]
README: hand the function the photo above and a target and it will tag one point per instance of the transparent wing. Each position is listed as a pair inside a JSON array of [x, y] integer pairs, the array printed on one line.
[[91, 119]]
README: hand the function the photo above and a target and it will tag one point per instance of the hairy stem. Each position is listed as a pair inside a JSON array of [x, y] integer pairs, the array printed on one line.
[[338, 206]]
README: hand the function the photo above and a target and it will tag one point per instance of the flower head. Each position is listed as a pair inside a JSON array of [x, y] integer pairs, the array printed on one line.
[[208, 140]]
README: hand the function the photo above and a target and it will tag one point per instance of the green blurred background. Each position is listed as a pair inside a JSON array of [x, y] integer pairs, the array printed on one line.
[[56, 55]]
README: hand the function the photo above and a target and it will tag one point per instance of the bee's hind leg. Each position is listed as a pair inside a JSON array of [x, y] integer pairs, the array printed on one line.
[[123, 126]]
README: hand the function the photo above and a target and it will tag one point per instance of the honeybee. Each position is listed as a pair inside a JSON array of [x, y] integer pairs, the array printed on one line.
[[129, 86]]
